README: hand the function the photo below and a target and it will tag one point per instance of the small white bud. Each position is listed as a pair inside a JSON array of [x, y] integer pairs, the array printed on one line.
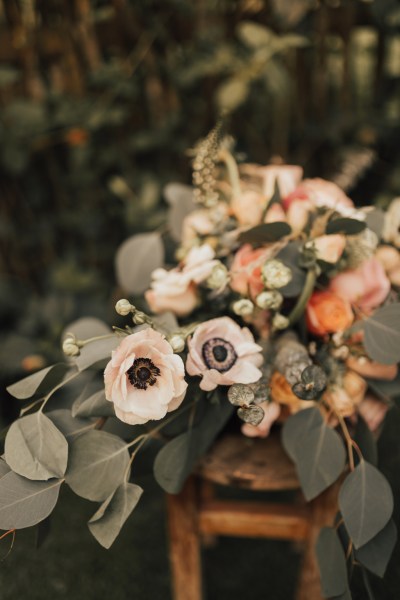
[[124, 307], [177, 342], [280, 321], [219, 277], [243, 307], [70, 347], [275, 274], [269, 299], [139, 318]]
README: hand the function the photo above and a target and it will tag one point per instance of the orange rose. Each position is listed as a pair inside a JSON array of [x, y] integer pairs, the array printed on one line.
[[328, 313], [281, 391]]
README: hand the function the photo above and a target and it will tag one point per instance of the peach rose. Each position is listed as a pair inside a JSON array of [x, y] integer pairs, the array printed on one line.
[[281, 392], [328, 313], [176, 290], [248, 207], [246, 270], [287, 177], [223, 353], [372, 369], [144, 378], [325, 193], [330, 247], [272, 410], [366, 287], [297, 214]]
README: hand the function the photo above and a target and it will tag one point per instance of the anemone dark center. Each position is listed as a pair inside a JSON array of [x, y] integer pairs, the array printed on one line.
[[219, 354], [143, 373]]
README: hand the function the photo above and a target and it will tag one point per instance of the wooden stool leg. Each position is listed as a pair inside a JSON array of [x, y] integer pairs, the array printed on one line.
[[184, 543], [323, 511]]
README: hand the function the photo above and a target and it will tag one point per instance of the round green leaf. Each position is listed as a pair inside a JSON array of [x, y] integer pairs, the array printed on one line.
[[107, 522], [345, 225], [23, 502], [366, 503], [35, 448], [267, 232], [38, 383], [97, 464], [375, 555], [67, 424], [299, 426], [136, 259], [382, 334], [331, 563]]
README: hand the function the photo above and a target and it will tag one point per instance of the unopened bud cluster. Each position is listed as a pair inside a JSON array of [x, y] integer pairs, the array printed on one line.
[[71, 346]]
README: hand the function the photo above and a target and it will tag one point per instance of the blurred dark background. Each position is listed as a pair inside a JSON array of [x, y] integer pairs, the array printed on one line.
[[100, 102]]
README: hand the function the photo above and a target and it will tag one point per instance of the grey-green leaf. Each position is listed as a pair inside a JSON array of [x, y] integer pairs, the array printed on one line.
[[68, 425], [176, 459], [298, 426], [97, 464], [366, 503], [331, 563], [375, 555], [254, 35], [39, 383], [382, 334], [96, 353], [320, 459], [180, 200], [86, 327], [94, 406], [35, 448], [23, 502], [345, 225], [366, 441], [136, 259], [267, 232], [107, 522]]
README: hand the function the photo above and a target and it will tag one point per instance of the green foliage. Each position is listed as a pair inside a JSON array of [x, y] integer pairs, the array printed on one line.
[[107, 522], [97, 464], [332, 563], [39, 383], [382, 334], [23, 502], [95, 405], [345, 225], [376, 553], [268, 232], [136, 259], [366, 503], [35, 448]]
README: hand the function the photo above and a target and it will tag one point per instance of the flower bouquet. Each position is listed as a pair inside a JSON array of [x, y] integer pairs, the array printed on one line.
[[282, 305]]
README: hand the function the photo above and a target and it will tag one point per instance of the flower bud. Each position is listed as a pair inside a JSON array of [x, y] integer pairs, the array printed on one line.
[[219, 277], [124, 307], [280, 321], [269, 299], [275, 274], [177, 342], [70, 347], [139, 318], [243, 307]]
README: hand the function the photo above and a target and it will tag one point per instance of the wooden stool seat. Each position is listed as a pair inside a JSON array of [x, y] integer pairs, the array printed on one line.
[[254, 464], [196, 514]]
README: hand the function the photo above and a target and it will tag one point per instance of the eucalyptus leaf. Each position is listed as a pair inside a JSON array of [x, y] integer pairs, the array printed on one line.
[[297, 427], [107, 522], [382, 334], [35, 448], [267, 232], [345, 225], [375, 220], [94, 406], [4, 468], [254, 35], [39, 383], [375, 555], [320, 458], [332, 563], [232, 93], [23, 502], [290, 255], [136, 259], [176, 459], [96, 353], [67, 423], [181, 203], [366, 503], [386, 390], [87, 327], [97, 464]]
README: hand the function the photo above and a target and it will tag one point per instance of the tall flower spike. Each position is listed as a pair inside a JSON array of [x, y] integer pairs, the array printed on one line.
[[204, 166]]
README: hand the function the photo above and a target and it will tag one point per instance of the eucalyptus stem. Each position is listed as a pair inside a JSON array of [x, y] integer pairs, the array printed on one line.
[[304, 297], [233, 171], [348, 438]]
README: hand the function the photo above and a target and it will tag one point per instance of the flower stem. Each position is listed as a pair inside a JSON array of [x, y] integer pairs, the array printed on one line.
[[304, 297], [348, 438]]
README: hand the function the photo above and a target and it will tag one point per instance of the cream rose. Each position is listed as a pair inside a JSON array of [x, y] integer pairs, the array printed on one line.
[[176, 290], [223, 353], [144, 378]]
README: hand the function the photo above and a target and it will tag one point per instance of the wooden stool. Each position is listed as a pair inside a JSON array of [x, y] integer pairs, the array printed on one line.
[[254, 464]]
